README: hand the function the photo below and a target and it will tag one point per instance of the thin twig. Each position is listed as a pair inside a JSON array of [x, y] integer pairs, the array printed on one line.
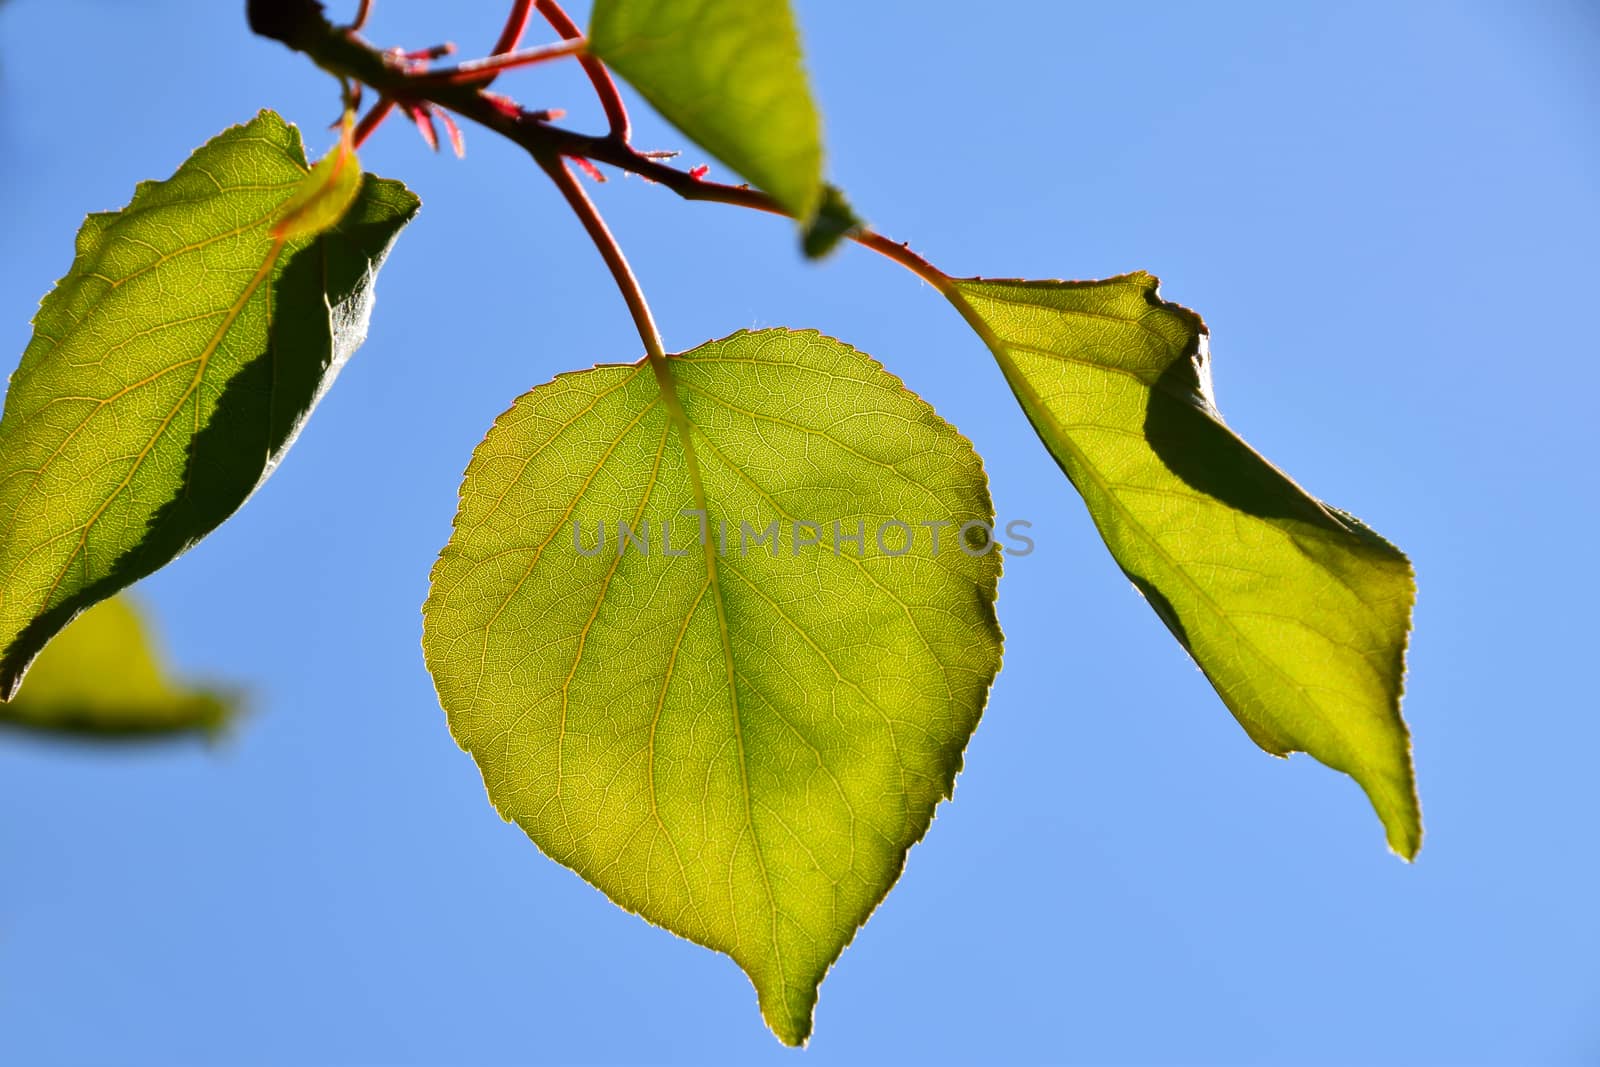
[[610, 251], [372, 120], [605, 88], [483, 71], [516, 24], [337, 51]]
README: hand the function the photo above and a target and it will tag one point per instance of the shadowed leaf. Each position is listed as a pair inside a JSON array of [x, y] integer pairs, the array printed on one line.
[[739, 742], [173, 365], [1296, 612]]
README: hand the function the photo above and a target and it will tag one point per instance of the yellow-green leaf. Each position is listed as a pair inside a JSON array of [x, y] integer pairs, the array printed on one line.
[[325, 193], [727, 73], [739, 742], [1296, 611], [102, 678], [173, 365], [834, 221]]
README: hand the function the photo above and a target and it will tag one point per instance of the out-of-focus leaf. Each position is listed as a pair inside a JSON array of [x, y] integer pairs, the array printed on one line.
[[740, 734], [172, 367], [1296, 612], [102, 677], [325, 193], [833, 222]]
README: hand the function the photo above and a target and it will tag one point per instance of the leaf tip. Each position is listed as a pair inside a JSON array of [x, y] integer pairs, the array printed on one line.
[[833, 221], [23, 648], [10, 681], [789, 1012], [1402, 823]]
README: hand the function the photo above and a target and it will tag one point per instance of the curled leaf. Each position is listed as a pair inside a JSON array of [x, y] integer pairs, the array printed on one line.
[[325, 193], [1295, 610]]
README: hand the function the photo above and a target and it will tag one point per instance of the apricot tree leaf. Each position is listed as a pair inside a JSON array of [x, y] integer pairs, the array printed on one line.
[[728, 74], [103, 678], [1296, 611], [326, 193], [737, 735], [834, 221], [173, 365]]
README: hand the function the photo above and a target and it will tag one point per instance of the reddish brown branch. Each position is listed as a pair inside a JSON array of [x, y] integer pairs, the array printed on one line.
[[371, 121], [287, 21], [483, 71], [605, 88], [516, 24], [610, 251]]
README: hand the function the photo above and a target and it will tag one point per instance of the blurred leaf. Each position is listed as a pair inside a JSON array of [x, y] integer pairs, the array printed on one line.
[[1296, 612], [833, 222], [172, 367], [101, 677], [741, 740], [326, 193], [728, 74]]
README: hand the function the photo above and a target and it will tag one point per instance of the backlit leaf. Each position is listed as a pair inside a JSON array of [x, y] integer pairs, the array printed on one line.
[[173, 365], [728, 74], [325, 193], [1296, 612], [102, 678], [739, 742], [834, 221]]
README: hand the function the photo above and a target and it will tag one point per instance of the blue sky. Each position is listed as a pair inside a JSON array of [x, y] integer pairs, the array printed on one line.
[[1387, 215]]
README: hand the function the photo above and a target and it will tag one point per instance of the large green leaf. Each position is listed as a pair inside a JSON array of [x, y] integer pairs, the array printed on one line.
[[739, 742], [174, 364], [1295, 611], [728, 74], [102, 678]]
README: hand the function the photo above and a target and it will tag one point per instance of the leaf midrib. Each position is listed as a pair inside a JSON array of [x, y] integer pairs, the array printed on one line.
[[666, 383]]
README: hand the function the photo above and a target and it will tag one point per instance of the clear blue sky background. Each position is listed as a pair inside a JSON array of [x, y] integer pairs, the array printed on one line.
[[1386, 212]]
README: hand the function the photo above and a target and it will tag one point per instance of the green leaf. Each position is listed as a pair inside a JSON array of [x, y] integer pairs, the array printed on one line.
[[1296, 612], [739, 743], [728, 74], [102, 678], [834, 221], [325, 194], [172, 367]]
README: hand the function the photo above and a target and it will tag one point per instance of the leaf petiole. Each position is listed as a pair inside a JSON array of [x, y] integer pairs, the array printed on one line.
[[610, 251]]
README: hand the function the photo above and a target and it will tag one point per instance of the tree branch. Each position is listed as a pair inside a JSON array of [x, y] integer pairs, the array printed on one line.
[[300, 24], [611, 252], [599, 76]]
